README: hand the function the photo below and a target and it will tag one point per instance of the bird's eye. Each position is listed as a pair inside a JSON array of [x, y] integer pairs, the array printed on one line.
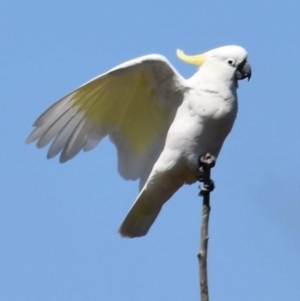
[[230, 62]]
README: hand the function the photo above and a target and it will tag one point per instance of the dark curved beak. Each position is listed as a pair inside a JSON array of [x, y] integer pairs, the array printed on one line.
[[243, 71]]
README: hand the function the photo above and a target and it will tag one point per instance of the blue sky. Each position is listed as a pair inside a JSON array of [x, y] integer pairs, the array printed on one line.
[[58, 223]]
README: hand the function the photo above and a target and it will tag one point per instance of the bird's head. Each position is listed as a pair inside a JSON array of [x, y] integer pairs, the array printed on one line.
[[229, 60]]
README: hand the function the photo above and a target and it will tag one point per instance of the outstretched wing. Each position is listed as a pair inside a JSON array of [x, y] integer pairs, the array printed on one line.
[[133, 103]]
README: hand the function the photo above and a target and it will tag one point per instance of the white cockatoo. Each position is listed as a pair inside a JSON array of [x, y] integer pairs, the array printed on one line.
[[160, 122]]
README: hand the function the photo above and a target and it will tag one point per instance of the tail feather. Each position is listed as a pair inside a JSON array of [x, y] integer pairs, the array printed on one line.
[[158, 189], [137, 224]]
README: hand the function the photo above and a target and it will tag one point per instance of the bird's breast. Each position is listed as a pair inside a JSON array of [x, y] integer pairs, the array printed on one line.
[[201, 125], [214, 114]]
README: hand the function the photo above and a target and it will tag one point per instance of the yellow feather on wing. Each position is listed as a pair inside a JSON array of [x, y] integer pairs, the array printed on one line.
[[127, 104], [134, 104]]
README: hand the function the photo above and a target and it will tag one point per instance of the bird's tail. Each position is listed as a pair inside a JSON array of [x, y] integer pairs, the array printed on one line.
[[140, 217], [158, 189]]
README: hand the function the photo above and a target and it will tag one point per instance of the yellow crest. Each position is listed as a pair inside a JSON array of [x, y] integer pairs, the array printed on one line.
[[191, 59]]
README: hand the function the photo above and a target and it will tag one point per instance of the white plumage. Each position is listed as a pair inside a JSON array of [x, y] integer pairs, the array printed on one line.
[[160, 122]]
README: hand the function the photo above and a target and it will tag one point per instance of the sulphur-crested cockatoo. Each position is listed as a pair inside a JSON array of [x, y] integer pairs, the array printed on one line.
[[160, 122]]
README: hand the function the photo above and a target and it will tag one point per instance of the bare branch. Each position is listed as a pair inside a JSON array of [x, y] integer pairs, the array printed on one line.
[[206, 162]]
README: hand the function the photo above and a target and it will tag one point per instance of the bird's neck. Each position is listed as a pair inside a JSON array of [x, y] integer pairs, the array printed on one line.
[[215, 79]]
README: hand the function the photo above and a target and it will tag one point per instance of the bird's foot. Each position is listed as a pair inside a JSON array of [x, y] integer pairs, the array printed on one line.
[[206, 187], [206, 162]]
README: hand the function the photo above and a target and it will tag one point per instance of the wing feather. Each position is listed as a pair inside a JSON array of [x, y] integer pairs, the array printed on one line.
[[50, 132], [134, 104], [76, 141], [63, 136]]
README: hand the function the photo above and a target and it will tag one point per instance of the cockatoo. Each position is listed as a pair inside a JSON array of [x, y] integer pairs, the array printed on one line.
[[160, 122]]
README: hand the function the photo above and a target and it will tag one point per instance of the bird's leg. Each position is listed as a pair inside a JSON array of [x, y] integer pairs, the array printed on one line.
[[206, 162]]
